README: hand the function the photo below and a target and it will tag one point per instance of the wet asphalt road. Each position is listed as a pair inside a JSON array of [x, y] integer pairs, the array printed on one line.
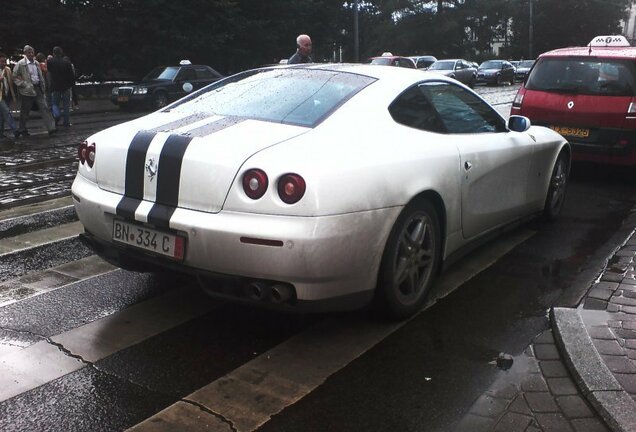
[[421, 378], [424, 376]]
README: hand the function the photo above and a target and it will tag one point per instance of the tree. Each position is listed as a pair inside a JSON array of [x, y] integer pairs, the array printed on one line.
[[565, 23]]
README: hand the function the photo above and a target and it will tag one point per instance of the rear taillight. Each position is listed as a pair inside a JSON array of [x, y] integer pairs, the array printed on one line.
[[632, 108], [86, 154], [518, 100], [255, 183], [291, 188]]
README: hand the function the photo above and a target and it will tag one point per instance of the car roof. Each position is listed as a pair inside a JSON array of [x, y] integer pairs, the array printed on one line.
[[610, 52], [390, 57], [380, 72]]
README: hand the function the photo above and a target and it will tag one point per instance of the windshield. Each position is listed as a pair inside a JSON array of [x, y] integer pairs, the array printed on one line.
[[584, 75], [443, 65], [491, 64], [162, 73], [526, 64], [294, 96]]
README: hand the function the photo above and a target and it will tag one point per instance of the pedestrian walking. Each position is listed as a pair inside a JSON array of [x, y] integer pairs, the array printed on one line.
[[41, 58], [303, 50], [62, 79], [74, 100], [7, 96], [29, 80]]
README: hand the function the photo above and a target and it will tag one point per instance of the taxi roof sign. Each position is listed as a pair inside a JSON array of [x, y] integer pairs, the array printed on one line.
[[609, 41]]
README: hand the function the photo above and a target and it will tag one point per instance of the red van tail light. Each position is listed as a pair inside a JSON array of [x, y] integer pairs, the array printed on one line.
[[255, 183], [518, 99], [291, 188], [631, 111]]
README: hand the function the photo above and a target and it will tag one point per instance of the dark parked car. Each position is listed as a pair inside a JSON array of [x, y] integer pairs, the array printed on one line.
[[460, 69], [164, 84], [496, 72], [523, 68]]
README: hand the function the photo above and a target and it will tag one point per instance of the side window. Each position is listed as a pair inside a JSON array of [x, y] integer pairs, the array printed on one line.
[[204, 73], [412, 109], [460, 111], [186, 74]]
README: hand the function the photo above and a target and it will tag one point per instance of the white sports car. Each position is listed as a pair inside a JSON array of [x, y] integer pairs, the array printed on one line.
[[315, 186]]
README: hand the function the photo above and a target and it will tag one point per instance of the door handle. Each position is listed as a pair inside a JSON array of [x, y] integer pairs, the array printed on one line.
[[467, 166]]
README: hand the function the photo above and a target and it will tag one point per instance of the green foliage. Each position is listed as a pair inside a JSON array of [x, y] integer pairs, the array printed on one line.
[[565, 23]]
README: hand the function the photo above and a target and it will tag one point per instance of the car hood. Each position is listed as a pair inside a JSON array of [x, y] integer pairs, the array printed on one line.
[[153, 83], [489, 71], [189, 161], [441, 72]]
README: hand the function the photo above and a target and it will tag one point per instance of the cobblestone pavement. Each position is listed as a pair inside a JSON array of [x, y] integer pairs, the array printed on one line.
[[609, 313], [536, 394], [40, 167]]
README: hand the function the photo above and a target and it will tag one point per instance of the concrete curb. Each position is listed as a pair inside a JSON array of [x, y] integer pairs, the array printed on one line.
[[591, 374]]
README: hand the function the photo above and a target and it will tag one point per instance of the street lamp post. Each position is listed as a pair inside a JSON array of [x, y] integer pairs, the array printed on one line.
[[356, 40], [530, 31]]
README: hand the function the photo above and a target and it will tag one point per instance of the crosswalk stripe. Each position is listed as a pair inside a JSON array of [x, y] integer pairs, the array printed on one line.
[[70, 351], [40, 237]]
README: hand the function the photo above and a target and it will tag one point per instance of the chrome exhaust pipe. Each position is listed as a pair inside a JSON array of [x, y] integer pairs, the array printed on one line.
[[281, 293]]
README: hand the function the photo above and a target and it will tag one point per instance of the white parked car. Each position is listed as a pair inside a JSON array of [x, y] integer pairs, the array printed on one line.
[[316, 186]]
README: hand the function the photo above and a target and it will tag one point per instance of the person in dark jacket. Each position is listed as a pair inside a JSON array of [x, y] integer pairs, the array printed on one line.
[[303, 45], [62, 78]]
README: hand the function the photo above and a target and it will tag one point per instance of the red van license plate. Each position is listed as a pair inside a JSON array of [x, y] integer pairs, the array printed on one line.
[[571, 131]]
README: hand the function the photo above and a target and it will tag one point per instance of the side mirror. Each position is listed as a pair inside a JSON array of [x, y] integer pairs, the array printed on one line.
[[518, 123]]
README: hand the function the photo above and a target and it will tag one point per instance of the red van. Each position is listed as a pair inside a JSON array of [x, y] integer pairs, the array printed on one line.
[[587, 94]]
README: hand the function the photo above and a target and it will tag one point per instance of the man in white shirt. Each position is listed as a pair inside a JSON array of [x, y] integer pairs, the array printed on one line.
[[29, 80]]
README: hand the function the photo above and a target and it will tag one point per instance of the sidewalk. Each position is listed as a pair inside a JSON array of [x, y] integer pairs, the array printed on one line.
[[597, 340]]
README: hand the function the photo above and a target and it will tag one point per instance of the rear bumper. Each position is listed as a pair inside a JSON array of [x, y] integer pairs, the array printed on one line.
[[324, 258], [602, 146], [611, 155]]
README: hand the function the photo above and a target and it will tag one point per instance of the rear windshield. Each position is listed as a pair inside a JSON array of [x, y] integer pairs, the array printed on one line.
[[491, 64], [526, 64], [162, 73], [584, 75], [295, 96], [443, 65]]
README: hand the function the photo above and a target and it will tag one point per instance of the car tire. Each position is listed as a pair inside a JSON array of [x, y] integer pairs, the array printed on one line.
[[556, 190], [498, 81], [410, 261], [159, 99]]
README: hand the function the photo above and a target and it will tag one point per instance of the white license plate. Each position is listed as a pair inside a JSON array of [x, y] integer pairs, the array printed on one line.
[[149, 239]]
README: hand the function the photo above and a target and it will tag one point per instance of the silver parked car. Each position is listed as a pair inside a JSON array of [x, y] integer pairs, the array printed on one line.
[[459, 69]]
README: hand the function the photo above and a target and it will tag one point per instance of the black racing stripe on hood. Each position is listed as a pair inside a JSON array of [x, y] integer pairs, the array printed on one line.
[[215, 126], [169, 127], [134, 181], [168, 179]]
